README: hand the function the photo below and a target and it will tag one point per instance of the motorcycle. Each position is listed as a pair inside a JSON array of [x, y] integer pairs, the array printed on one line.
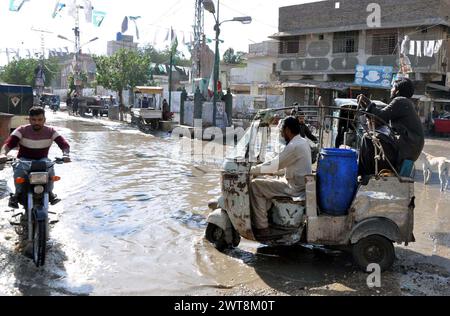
[[33, 225], [54, 108]]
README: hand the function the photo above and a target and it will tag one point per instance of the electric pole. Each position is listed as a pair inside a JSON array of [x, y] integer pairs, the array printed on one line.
[[199, 31], [40, 80]]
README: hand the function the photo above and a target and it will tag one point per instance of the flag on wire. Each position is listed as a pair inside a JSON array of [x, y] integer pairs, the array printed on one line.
[[16, 5], [134, 19], [58, 8], [173, 41], [88, 11], [125, 25], [72, 8], [98, 17]]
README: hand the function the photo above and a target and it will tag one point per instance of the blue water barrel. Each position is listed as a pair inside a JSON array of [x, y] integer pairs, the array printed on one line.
[[337, 180]]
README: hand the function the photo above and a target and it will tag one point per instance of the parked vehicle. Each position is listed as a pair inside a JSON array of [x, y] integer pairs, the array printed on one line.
[[147, 110], [16, 100], [50, 100], [33, 224], [336, 211], [106, 104]]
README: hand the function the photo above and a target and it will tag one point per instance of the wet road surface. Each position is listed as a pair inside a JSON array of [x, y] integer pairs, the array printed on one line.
[[132, 222]]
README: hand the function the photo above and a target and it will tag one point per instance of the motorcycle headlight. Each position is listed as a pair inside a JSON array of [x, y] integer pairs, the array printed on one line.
[[39, 189], [39, 178]]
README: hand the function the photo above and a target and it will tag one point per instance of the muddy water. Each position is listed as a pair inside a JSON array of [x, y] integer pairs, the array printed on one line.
[[133, 217], [129, 221]]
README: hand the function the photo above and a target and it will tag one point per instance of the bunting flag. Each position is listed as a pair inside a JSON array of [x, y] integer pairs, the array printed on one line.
[[16, 5], [125, 25], [88, 11], [155, 39], [98, 17], [72, 8], [134, 19], [58, 8], [167, 36], [173, 41]]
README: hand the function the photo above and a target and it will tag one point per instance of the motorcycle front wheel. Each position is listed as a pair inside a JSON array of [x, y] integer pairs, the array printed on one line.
[[39, 242]]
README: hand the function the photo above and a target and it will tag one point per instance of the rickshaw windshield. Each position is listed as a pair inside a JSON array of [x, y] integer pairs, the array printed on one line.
[[240, 152]]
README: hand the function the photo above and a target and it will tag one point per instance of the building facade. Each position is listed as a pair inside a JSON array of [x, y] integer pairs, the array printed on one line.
[[67, 63], [121, 42], [258, 77], [320, 44]]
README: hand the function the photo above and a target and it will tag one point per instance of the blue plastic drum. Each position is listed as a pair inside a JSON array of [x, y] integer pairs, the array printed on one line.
[[337, 180]]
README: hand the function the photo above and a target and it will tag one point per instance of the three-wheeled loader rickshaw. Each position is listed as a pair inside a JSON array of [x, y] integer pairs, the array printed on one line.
[[379, 211], [147, 110]]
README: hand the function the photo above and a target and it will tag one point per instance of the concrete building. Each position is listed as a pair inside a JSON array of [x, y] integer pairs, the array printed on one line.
[[122, 41], [66, 69], [321, 43], [259, 75]]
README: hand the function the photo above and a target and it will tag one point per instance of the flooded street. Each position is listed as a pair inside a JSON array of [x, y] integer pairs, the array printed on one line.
[[132, 222]]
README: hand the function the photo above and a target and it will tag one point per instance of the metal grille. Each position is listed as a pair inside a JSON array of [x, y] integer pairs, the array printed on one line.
[[384, 44], [345, 42]]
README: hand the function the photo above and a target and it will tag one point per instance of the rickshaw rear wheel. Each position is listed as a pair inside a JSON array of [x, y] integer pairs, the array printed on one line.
[[216, 235], [374, 249]]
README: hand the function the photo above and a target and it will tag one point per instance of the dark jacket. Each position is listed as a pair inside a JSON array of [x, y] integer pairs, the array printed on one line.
[[406, 124], [306, 133]]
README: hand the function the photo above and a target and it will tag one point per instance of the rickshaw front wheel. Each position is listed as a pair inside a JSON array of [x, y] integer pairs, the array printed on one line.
[[374, 249], [216, 235]]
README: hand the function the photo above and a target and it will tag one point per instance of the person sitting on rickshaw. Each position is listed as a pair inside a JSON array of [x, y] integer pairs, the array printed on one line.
[[386, 155], [404, 119], [145, 103], [295, 159]]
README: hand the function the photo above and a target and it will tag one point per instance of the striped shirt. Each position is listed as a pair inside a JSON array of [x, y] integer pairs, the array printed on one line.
[[35, 145]]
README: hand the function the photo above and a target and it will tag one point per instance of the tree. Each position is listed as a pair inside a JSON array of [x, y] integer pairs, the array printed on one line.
[[125, 69], [22, 71], [230, 57], [163, 56]]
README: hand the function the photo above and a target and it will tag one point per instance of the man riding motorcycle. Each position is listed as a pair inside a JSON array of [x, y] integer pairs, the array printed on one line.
[[34, 142]]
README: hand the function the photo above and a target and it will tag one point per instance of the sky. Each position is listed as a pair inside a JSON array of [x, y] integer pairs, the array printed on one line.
[[157, 18]]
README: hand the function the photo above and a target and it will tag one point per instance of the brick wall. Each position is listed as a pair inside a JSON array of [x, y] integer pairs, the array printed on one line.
[[354, 12]]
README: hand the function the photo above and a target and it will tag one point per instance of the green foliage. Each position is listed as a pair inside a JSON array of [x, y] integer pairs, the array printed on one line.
[[230, 57], [125, 69], [163, 57], [22, 71]]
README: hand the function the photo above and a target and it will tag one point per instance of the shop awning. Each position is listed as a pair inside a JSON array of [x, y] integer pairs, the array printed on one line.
[[149, 90], [332, 85], [421, 98], [438, 87]]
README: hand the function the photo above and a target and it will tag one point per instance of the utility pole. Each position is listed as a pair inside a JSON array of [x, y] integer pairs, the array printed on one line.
[[216, 64], [170, 68], [40, 82], [77, 76], [199, 31]]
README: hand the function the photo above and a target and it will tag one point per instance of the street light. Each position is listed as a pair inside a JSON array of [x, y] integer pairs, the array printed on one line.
[[209, 6], [77, 52]]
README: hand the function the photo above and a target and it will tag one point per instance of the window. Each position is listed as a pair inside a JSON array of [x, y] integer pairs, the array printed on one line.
[[384, 44], [293, 45], [345, 42], [321, 37]]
